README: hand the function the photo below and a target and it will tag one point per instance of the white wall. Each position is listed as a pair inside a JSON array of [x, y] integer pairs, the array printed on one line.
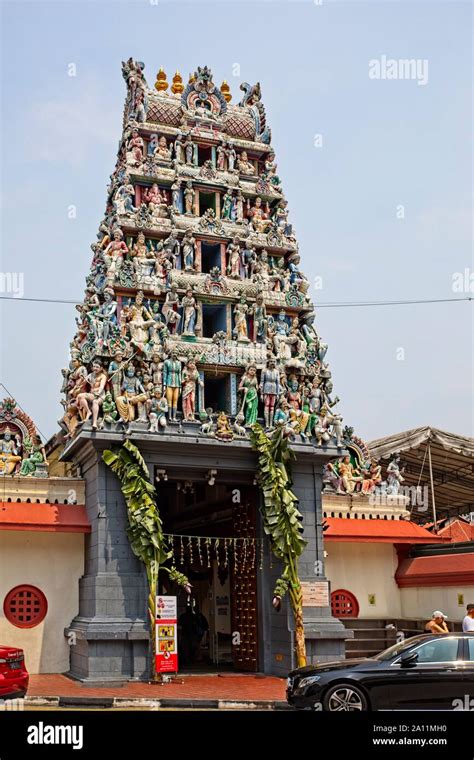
[[422, 602], [364, 569], [53, 562]]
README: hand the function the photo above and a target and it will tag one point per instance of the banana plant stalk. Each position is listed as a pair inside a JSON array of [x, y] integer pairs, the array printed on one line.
[[282, 522], [145, 529]]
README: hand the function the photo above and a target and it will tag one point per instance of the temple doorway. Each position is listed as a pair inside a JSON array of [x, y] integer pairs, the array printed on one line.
[[212, 531]]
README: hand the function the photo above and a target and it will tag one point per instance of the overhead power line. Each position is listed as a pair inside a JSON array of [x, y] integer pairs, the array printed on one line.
[[318, 305]]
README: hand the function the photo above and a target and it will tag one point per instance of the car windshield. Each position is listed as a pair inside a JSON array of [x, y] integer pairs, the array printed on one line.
[[396, 649]]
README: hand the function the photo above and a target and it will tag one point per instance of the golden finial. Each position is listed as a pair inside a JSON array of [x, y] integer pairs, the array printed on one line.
[[177, 87], [161, 84], [191, 78], [225, 89]]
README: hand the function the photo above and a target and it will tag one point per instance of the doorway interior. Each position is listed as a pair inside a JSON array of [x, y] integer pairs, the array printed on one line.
[[212, 533]]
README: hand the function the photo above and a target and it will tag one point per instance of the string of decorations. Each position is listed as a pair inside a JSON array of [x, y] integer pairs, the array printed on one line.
[[245, 553]]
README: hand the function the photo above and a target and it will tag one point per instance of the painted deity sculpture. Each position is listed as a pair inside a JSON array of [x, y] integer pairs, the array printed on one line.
[[270, 389], [188, 250], [240, 322], [132, 398], [243, 164], [233, 259], [189, 306], [172, 382], [248, 388], [394, 476], [90, 401], [9, 453], [189, 194], [157, 409], [190, 380]]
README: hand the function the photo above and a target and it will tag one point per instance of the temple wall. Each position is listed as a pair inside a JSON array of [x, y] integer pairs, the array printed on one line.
[[53, 562], [423, 601], [363, 569]]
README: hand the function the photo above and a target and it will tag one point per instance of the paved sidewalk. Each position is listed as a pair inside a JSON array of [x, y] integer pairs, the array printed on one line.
[[200, 691]]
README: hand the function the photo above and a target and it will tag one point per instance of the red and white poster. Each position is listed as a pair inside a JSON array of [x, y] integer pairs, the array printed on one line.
[[166, 635]]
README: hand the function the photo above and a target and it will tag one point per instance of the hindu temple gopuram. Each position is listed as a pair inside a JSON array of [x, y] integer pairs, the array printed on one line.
[[197, 323]]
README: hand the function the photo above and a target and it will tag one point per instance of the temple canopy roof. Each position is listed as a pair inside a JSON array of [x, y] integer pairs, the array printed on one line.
[[452, 461]]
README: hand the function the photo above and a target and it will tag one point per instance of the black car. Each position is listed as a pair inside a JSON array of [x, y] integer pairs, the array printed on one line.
[[426, 672]]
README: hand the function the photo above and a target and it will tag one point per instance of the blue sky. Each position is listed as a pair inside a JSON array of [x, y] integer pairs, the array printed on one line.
[[385, 144]]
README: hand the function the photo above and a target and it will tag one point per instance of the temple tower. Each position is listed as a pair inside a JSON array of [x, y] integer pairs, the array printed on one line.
[[196, 323]]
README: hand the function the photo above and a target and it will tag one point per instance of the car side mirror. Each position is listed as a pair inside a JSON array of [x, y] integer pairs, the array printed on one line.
[[409, 659]]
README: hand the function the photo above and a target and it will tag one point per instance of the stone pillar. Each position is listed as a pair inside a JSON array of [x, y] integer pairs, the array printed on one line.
[[325, 635], [109, 637]]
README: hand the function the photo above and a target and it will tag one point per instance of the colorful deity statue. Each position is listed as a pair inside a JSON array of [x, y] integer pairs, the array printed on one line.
[[135, 147], [172, 382], [258, 217], [349, 475], [249, 260], [90, 401], [152, 145], [163, 153], [139, 321], [189, 306], [115, 374], [238, 211], [223, 430], [372, 477], [281, 335], [124, 200], [221, 155], [227, 205], [189, 194], [394, 476], [179, 148], [248, 387], [188, 250], [243, 164], [10, 448], [231, 156], [233, 259], [115, 251], [270, 389], [240, 330], [189, 150], [190, 379], [270, 172], [155, 199], [260, 321], [157, 409], [171, 308], [176, 196], [132, 398]]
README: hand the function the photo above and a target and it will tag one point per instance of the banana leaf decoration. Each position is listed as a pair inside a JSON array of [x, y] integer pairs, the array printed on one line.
[[145, 529], [281, 522]]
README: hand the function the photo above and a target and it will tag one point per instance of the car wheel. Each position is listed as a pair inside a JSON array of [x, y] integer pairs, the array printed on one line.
[[345, 697]]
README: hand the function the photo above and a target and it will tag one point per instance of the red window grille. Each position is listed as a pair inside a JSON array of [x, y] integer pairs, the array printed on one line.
[[344, 604], [25, 606]]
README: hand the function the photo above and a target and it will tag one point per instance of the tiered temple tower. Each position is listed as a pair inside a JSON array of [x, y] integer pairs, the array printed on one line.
[[196, 323]]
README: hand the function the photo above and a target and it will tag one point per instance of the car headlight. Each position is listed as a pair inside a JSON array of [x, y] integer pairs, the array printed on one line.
[[308, 681]]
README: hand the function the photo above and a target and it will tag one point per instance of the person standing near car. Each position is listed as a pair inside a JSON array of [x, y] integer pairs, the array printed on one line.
[[437, 624], [468, 622]]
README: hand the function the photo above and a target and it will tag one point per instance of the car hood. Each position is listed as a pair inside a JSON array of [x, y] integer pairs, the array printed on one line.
[[335, 665]]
